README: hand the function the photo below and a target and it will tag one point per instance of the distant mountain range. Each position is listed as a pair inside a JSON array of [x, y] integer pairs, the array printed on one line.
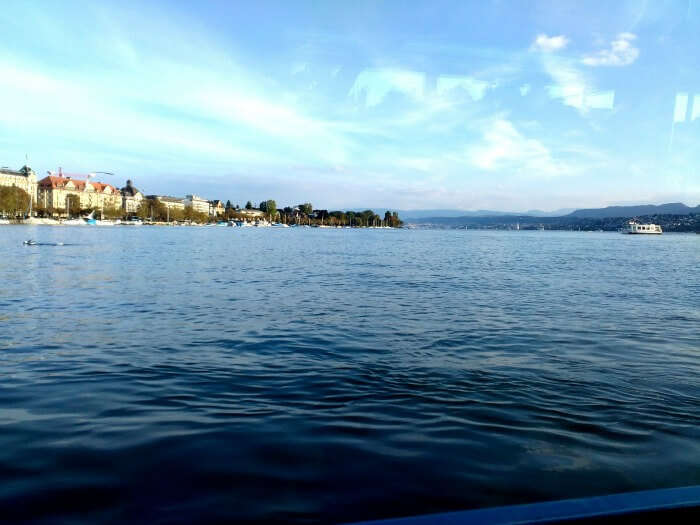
[[409, 215], [675, 208]]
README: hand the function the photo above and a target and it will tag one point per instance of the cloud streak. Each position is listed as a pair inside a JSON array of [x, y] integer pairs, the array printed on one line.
[[503, 147], [549, 44], [620, 53], [375, 84], [573, 87]]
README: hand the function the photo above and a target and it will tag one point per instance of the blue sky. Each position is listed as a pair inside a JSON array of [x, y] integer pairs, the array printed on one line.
[[469, 105]]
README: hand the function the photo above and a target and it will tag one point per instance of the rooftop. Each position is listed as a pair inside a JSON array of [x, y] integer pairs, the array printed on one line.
[[55, 181], [24, 171], [166, 198]]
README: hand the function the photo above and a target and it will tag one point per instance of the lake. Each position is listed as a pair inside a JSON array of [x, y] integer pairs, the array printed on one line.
[[315, 375]]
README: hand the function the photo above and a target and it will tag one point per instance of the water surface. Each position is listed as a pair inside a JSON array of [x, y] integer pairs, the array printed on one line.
[[204, 374]]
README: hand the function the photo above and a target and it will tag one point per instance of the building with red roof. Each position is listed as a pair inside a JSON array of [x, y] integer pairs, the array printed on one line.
[[58, 192]]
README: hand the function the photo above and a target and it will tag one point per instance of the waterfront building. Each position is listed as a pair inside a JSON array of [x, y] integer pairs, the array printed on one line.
[[57, 191], [172, 203], [216, 208], [131, 198], [23, 178], [197, 203]]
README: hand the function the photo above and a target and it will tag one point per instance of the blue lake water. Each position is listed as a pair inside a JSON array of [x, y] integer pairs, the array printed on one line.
[[305, 375]]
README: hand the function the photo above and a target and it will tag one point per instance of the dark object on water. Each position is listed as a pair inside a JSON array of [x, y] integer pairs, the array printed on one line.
[[34, 243], [672, 505]]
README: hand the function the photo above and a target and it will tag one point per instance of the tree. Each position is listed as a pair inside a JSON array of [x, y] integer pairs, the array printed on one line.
[[306, 208], [112, 212], [271, 208], [153, 208], [73, 203], [13, 201], [367, 217], [228, 205], [387, 218], [248, 205], [144, 211], [175, 214], [263, 206]]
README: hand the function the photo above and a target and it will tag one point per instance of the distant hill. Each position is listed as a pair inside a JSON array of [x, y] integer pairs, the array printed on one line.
[[413, 215], [462, 217], [556, 213], [421, 214], [674, 208]]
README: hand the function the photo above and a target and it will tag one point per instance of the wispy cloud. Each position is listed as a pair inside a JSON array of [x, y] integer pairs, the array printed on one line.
[[375, 84], [573, 87], [474, 87], [503, 147], [549, 44], [620, 53]]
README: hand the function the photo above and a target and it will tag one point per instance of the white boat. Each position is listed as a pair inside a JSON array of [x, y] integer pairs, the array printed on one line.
[[633, 227], [4, 221], [81, 221], [74, 222], [40, 221]]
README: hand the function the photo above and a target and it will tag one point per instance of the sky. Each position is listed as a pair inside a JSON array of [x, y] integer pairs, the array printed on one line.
[[502, 105]]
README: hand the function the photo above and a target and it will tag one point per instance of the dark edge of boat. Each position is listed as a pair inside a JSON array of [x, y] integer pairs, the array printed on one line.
[[676, 504]]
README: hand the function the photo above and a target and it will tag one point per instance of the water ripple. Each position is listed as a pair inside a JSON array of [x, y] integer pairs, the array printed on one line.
[[173, 375]]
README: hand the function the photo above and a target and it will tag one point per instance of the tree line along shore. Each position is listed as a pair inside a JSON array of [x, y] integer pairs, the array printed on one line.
[[15, 205]]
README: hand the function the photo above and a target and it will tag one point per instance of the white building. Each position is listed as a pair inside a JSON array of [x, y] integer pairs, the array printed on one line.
[[197, 203], [24, 178], [172, 203]]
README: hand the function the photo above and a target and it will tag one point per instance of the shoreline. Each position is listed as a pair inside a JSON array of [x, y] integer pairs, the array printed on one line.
[[196, 225]]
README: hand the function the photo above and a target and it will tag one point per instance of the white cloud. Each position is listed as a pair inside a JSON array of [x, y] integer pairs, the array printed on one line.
[[222, 120], [569, 84], [621, 53], [573, 88], [376, 84], [476, 88], [503, 147], [549, 44], [524, 89]]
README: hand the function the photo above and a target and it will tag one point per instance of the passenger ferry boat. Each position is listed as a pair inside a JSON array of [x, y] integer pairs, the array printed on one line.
[[636, 228]]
